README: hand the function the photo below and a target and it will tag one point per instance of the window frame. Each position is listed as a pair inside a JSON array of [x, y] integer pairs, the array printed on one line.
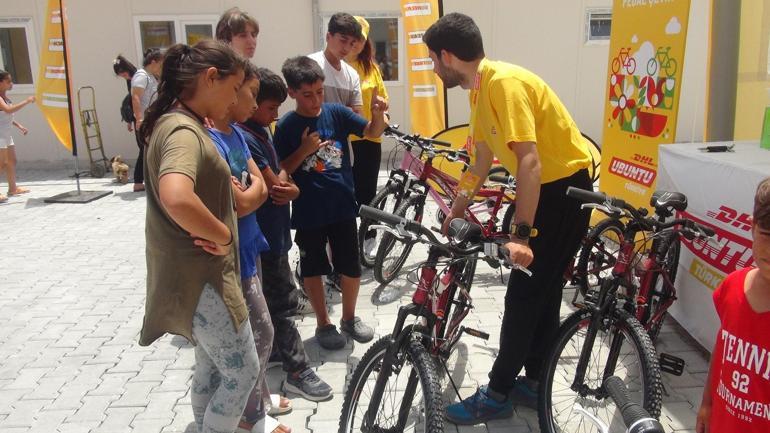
[[590, 13], [27, 23], [326, 16], [180, 33]]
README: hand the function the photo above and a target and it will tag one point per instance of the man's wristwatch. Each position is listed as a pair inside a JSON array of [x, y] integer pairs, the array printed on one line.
[[523, 231]]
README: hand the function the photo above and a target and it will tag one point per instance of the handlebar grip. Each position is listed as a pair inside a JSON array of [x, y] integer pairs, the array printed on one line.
[[379, 215], [438, 142], [586, 196], [498, 178], [708, 231], [635, 417]]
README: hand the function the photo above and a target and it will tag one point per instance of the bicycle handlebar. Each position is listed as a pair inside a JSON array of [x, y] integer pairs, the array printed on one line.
[[421, 141], [636, 418]]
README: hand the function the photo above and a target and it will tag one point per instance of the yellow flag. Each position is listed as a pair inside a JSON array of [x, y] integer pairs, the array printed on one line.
[[644, 79], [426, 91], [52, 96]]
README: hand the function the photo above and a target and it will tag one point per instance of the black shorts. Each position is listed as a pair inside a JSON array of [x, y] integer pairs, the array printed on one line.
[[343, 240]]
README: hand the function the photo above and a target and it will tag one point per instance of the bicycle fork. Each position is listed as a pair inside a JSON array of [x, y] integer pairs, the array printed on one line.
[[398, 338]]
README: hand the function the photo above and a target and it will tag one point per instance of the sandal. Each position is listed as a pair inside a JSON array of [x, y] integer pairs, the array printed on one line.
[[3, 198], [279, 405], [18, 191]]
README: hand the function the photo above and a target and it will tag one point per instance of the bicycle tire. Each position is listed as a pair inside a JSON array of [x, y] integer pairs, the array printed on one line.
[[594, 254], [560, 366], [380, 201], [508, 218], [387, 265], [369, 368], [670, 265]]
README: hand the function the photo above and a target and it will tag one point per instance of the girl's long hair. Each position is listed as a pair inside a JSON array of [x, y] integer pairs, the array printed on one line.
[[366, 57], [181, 68], [121, 64]]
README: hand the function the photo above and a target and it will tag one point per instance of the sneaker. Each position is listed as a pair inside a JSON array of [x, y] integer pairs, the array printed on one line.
[[333, 282], [357, 329], [303, 304], [329, 338], [307, 384], [479, 408], [524, 392]]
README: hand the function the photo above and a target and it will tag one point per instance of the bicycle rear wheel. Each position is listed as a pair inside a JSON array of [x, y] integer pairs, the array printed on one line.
[[621, 338], [392, 252], [598, 255], [387, 199], [412, 392], [662, 292]]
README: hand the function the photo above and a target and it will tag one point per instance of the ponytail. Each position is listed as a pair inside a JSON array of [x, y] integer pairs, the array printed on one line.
[[178, 79]]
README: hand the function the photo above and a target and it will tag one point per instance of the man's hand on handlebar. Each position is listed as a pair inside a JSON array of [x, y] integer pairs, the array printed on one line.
[[520, 252]]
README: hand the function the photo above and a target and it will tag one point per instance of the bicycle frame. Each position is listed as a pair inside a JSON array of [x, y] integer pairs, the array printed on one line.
[[426, 172]]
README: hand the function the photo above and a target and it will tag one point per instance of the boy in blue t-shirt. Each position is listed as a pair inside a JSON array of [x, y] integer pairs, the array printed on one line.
[[274, 218], [231, 144], [312, 143]]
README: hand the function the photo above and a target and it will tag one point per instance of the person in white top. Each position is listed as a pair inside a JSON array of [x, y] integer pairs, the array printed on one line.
[[144, 90], [341, 84], [7, 147]]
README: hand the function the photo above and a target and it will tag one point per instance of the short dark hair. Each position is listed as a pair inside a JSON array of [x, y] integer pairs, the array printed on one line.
[[457, 34], [232, 22], [271, 86], [152, 55], [344, 24], [121, 64], [762, 205], [301, 70]]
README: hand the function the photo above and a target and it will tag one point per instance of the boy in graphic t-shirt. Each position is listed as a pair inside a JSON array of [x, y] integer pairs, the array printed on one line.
[[737, 395], [311, 142]]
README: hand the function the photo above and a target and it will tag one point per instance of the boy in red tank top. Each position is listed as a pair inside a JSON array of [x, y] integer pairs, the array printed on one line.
[[737, 395]]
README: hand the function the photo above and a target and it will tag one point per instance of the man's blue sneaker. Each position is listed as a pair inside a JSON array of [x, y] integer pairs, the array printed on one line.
[[479, 408], [524, 393]]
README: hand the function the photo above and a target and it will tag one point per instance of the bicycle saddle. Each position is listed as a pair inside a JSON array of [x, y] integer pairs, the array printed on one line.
[[664, 201], [464, 231]]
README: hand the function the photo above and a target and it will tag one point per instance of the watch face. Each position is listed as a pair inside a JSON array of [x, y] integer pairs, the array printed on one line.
[[523, 231]]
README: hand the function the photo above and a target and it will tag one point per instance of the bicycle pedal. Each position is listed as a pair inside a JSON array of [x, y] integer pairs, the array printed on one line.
[[476, 333], [671, 364]]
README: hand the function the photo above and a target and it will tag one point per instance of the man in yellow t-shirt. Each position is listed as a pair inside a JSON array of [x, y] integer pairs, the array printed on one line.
[[517, 117]]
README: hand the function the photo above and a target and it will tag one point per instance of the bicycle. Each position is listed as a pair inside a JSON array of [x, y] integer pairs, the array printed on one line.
[[663, 61], [381, 394], [611, 317], [657, 266], [625, 60], [392, 253]]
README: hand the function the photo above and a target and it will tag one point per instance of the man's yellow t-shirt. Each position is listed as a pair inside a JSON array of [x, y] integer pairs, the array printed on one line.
[[516, 105]]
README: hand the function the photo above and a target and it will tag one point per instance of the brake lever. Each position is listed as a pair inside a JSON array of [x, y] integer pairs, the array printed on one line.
[[505, 256], [397, 231], [603, 428], [606, 208]]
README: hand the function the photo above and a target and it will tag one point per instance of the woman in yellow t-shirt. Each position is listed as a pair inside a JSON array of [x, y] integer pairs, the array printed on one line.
[[367, 153]]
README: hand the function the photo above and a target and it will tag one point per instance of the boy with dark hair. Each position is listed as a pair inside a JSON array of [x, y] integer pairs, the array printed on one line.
[[240, 30], [312, 144], [742, 302], [516, 117], [342, 84], [274, 217]]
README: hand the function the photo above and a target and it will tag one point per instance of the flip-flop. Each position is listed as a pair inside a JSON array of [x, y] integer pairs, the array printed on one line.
[[267, 424], [275, 405], [3, 198], [18, 191]]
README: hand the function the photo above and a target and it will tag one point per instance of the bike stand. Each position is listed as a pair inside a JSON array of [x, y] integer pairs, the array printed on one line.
[[671, 364]]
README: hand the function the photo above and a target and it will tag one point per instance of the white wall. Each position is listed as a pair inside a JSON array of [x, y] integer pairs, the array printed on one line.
[[545, 36]]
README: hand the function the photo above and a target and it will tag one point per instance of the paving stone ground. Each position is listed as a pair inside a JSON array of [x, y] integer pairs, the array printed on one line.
[[72, 288]]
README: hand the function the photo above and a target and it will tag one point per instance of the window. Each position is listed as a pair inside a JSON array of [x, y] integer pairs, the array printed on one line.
[[598, 24], [384, 33], [17, 52], [164, 31]]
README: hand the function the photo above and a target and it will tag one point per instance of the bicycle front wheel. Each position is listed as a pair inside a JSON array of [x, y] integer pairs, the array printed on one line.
[[598, 255], [387, 199], [621, 347], [411, 399], [392, 252]]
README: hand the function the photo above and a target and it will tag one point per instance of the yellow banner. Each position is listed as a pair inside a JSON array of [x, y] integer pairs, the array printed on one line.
[[643, 84], [426, 91], [52, 80]]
